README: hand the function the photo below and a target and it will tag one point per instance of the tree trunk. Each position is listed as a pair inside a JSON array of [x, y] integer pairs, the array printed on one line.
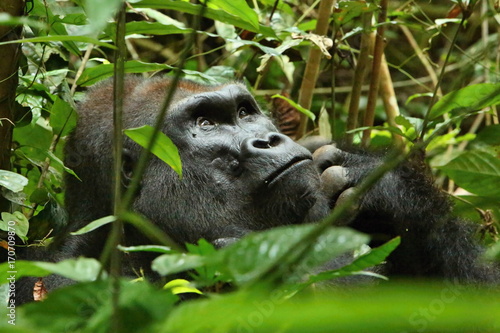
[[8, 82]]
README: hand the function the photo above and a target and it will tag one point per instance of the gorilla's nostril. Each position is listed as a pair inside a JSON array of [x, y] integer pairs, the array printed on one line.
[[274, 140], [261, 144]]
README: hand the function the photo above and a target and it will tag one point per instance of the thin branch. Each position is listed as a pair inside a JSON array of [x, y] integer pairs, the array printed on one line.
[[378, 52], [313, 63], [359, 76]]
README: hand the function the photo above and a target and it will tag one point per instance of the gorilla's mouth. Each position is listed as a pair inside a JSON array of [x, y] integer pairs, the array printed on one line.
[[295, 163]]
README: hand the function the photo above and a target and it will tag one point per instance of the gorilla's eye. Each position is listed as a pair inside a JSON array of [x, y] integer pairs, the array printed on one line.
[[204, 122], [243, 112]]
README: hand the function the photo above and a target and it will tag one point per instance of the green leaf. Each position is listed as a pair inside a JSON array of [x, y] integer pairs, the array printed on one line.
[[79, 269], [475, 171], [94, 225], [490, 135], [148, 28], [308, 113], [99, 13], [40, 196], [98, 73], [466, 100], [372, 258], [87, 307], [178, 262], [12, 181], [391, 308], [15, 222], [62, 117], [163, 148], [22, 268], [238, 8], [253, 256], [181, 286], [247, 21], [62, 38], [146, 248]]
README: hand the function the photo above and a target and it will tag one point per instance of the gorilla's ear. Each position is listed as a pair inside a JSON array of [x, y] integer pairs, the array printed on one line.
[[128, 165]]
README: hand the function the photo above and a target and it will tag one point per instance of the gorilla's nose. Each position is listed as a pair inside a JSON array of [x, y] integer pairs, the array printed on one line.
[[271, 140], [270, 144]]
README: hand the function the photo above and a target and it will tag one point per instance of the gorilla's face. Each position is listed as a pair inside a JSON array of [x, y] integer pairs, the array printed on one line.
[[239, 172]]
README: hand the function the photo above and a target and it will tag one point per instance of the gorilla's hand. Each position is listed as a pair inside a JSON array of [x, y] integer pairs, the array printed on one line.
[[336, 185], [403, 197]]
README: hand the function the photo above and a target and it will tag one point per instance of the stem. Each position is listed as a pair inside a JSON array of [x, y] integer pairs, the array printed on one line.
[[440, 79], [359, 76], [117, 227], [378, 52], [312, 66]]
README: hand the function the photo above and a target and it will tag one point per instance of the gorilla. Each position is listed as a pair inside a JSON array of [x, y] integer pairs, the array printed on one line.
[[241, 175]]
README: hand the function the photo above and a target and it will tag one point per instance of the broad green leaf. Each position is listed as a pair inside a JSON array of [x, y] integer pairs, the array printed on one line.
[[469, 99], [163, 148], [94, 225], [308, 113], [98, 73], [12, 181], [21, 268], [62, 117], [237, 8], [253, 256], [372, 258], [475, 171], [15, 222], [245, 22], [79, 269]]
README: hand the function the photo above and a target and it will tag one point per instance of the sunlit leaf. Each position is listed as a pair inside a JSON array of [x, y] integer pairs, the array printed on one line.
[[16, 222], [12, 181], [469, 99], [163, 148]]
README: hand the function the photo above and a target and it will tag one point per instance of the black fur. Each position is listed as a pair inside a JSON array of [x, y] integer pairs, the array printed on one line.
[[233, 182]]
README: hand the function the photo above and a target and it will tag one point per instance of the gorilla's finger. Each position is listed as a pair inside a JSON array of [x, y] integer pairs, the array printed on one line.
[[352, 210], [333, 180], [327, 156]]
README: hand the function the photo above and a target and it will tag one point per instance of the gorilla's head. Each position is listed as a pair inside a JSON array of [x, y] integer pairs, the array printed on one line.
[[239, 173]]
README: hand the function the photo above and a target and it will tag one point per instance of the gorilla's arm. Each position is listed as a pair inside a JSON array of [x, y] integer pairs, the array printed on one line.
[[405, 203]]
